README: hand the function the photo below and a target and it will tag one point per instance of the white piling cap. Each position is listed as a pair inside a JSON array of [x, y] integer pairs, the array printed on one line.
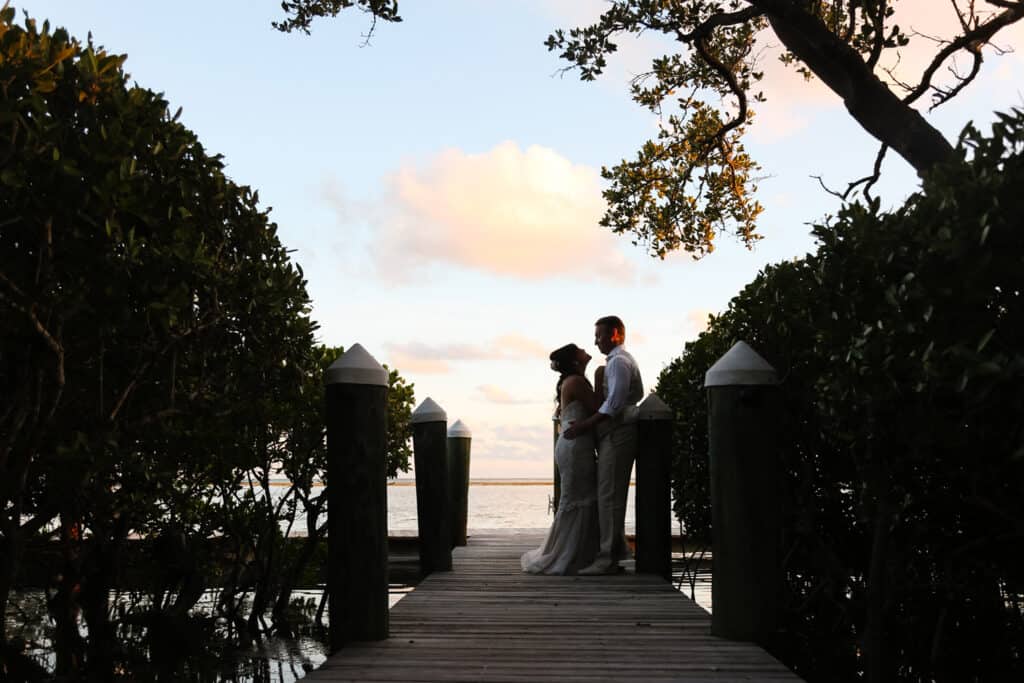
[[429, 411], [459, 430], [740, 366], [653, 408], [356, 366]]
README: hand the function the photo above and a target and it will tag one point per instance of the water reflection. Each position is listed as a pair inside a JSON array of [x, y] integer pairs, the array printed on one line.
[[203, 646], [274, 660]]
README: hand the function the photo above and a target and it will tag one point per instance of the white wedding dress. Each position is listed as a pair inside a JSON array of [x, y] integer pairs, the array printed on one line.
[[574, 537]]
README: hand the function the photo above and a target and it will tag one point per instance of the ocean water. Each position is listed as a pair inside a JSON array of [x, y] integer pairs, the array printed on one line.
[[493, 504]]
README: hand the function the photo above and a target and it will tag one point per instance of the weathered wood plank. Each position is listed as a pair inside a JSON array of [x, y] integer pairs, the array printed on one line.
[[487, 621]]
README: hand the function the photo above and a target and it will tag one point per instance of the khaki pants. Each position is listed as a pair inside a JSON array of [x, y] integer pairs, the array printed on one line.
[[616, 452]]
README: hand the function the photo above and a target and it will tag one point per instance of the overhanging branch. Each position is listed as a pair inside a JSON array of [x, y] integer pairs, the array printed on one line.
[[972, 41]]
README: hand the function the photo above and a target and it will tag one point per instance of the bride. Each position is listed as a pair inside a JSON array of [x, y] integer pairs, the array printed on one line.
[[574, 537]]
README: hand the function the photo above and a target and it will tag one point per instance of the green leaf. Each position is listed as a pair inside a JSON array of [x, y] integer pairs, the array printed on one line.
[[985, 339]]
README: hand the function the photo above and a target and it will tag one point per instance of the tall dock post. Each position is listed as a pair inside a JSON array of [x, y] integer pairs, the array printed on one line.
[[430, 457], [357, 514], [742, 438], [459, 444], [653, 490]]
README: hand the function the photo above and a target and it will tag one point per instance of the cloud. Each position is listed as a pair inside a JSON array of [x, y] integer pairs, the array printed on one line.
[[526, 433], [454, 351], [519, 440], [521, 347], [697, 319], [496, 394], [411, 363], [436, 358], [939, 19], [636, 338], [522, 213], [793, 103]]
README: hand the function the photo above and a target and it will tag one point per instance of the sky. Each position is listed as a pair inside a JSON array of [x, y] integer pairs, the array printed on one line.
[[440, 186]]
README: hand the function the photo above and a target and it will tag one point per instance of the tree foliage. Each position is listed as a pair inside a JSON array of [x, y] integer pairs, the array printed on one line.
[[158, 370], [299, 14], [901, 346], [695, 180]]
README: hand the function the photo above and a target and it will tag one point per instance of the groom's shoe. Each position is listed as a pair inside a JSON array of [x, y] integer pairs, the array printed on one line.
[[599, 569]]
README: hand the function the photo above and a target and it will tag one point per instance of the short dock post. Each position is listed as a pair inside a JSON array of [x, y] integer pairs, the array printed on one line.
[[430, 457], [653, 490], [459, 443], [357, 516], [742, 429]]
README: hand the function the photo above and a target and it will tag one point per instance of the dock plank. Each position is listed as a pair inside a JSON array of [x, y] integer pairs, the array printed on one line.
[[488, 621]]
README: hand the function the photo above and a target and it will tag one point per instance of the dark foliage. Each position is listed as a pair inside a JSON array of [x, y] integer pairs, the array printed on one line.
[[158, 370], [901, 347]]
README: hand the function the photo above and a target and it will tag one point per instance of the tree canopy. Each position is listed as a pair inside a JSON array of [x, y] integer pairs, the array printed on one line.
[[901, 343], [159, 378], [695, 179]]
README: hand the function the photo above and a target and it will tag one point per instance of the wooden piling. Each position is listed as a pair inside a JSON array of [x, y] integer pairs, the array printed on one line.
[[459, 443], [430, 457], [357, 518], [653, 488], [742, 424]]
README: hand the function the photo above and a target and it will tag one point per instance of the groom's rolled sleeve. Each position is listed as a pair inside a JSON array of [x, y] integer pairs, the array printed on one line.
[[616, 375]]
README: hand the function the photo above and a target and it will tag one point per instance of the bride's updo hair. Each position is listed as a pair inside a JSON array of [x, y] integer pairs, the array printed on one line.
[[565, 361]]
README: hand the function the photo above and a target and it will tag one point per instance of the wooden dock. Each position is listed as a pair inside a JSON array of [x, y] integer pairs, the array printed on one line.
[[487, 621]]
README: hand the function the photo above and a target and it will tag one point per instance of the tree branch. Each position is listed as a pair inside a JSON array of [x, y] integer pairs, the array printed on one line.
[[871, 103], [705, 28], [729, 77], [867, 181], [878, 23], [972, 41], [943, 95]]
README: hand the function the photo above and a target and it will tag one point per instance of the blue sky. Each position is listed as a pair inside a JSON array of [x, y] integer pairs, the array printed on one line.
[[440, 186]]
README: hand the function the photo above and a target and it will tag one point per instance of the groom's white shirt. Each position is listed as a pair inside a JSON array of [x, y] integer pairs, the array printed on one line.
[[620, 374]]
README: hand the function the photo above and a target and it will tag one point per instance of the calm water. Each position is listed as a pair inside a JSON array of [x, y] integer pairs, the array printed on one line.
[[492, 505]]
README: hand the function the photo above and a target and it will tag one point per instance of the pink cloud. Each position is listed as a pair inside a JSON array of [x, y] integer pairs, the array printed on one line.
[[435, 358], [697, 320], [793, 102], [524, 213], [412, 363], [496, 394], [522, 346]]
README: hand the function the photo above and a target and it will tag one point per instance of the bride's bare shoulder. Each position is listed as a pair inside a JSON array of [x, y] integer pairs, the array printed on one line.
[[577, 388], [576, 383]]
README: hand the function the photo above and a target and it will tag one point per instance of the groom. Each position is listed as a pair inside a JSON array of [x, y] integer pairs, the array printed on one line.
[[615, 424]]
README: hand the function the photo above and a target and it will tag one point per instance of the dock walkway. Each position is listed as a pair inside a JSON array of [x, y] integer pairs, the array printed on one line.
[[487, 621]]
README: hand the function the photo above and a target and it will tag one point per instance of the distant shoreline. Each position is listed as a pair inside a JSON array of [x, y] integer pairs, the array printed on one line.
[[412, 482], [484, 482], [472, 482]]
